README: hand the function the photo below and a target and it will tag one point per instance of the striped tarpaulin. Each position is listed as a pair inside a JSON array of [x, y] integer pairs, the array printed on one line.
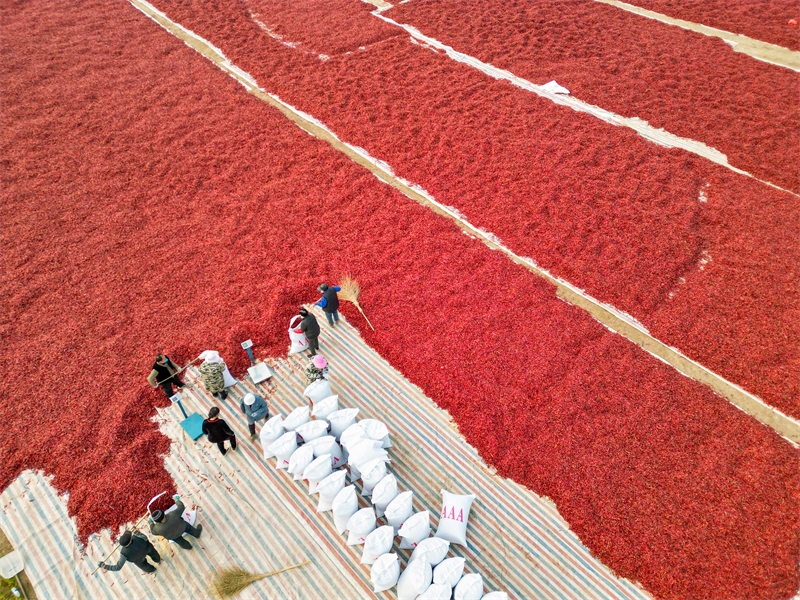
[[257, 517]]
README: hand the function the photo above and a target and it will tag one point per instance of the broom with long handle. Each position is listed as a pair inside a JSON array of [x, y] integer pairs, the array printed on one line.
[[350, 291], [229, 582]]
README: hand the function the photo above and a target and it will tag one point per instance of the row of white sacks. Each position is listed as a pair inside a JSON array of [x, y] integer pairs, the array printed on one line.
[[334, 439]]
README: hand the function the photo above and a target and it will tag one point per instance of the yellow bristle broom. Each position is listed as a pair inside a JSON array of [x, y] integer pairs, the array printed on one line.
[[350, 291], [232, 580]]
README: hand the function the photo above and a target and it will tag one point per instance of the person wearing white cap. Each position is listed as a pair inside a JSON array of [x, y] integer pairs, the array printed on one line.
[[255, 408]]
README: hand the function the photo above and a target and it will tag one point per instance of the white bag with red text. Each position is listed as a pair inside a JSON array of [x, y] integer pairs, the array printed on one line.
[[271, 431], [297, 417], [316, 471], [383, 493], [360, 525], [312, 430], [376, 430], [327, 445], [283, 448], [399, 509], [414, 529], [371, 475], [432, 549], [341, 420], [328, 488], [449, 571], [299, 460], [345, 505], [436, 591], [325, 407], [296, 337], [455, 515]]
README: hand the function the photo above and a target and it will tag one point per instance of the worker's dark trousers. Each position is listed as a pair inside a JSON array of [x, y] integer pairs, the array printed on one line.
[[184, 543], [313, 345], [167, 385], [146, 566]]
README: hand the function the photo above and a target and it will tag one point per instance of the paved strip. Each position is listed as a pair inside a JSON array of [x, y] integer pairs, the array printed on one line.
[[763, 51], [257, 517]]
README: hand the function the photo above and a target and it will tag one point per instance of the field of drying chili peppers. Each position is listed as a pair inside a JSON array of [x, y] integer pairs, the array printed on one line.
[[649, 230], [148, 202], [764, 20]]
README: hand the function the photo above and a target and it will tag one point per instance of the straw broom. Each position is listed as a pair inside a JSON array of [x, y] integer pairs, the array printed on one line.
[[232, 580], [350, 291]]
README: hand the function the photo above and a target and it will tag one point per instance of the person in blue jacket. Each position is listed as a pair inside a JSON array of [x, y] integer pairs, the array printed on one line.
[[255, 408], [329, 303]]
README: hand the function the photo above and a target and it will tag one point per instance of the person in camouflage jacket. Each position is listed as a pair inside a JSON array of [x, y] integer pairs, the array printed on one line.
[[213, 379]]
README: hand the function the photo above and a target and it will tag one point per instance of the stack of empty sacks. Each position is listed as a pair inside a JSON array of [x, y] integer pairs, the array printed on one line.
[[322, 450]]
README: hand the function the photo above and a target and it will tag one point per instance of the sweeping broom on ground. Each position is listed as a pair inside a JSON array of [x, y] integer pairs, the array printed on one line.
[[229, 582], [350, 291]]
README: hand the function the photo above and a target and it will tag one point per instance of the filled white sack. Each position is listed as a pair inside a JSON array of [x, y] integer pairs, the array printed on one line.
[[317, 470], [325, 407], [436, 591], [383, 493], [399, 509], [352, 435], [455, 515], [297, 338], [449, 571], [415, 529], [376, 430], [384, 572], [341, 420], [376, 543], [431, 549], [360, 525], [299, 460], [312, 430], [327, 445], [371, 475], [495, 596], [297, 417], [345, 505], [328, 488], [365, 451], [283, 448], [415, 579], [271, 431], [317, 390], [469, 588]]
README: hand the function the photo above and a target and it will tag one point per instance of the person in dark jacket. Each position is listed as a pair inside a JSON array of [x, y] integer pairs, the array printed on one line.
[[172, 526], [135, 548], [255, 408], [165, 373], [330, 303], [310, 327], [218, 431]]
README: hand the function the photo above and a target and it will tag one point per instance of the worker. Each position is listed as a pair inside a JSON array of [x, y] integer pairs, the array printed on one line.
[[310, 327], [134, 548], [329, 303], [165, 373], [172, 525], [255, 408]]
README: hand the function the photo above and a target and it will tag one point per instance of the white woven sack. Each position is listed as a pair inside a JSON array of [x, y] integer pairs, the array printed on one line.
[[371, 475], [436, 591], [297, 417], [376, 430], [415, 529], [360, 525], [365, 451], [345, 505], [316, 471], [298, 339], [384, 573], [431, 549], [399, 509], [352, 435], [383, 493], [449, 571], [455, 515], [283, 448], [495, 596], [325, 407], [299, 460], [271, 431], [328, 488], [414, 580], [327, 445], [469, 588], [317, 390], [341, 420], [312, 430], [376, 543]]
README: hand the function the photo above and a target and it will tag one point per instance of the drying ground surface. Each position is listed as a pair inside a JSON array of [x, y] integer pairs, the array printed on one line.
[[148, 202]]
